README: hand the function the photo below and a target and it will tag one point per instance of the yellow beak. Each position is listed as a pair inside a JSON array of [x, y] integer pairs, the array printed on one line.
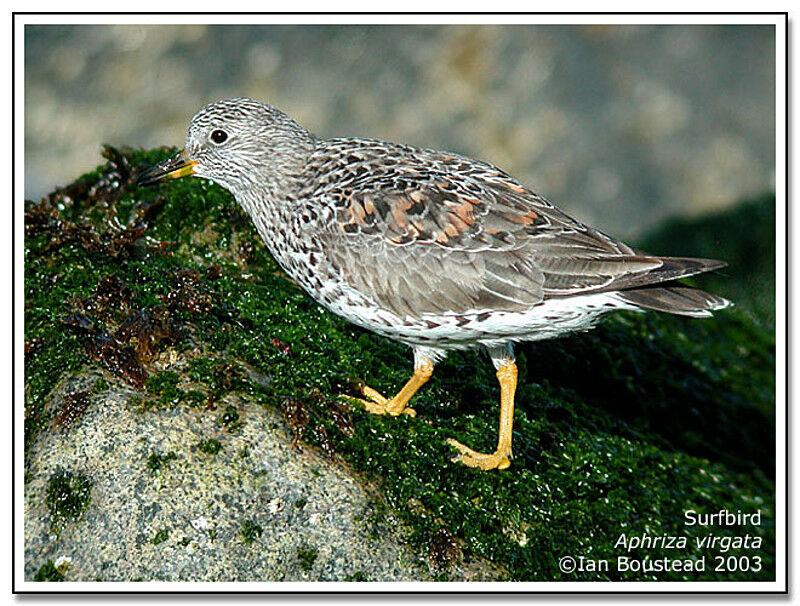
[[174, 167]]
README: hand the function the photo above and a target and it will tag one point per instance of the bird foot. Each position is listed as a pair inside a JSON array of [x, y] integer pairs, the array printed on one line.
[[471, 458], [378, 405]]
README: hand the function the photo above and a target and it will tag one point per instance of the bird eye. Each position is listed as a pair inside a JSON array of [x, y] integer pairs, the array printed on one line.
[[219, 136]]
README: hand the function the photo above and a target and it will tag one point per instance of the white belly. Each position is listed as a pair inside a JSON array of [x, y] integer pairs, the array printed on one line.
[[550, 319]]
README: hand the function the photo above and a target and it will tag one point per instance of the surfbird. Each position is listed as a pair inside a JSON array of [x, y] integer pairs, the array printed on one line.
[[429, 248]]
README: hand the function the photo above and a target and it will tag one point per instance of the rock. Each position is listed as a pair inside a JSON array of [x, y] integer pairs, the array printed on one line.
[[257, 509]]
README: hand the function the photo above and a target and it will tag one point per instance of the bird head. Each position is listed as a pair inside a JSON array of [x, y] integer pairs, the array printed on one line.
[[241, 144]]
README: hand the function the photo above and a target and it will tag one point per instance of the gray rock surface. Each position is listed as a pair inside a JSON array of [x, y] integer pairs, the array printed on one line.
[[185, 521], [621, 126]]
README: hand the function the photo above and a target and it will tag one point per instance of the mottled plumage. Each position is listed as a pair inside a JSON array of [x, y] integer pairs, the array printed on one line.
[[430, 248]]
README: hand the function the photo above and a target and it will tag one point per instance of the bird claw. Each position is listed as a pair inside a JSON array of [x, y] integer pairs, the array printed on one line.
[[472, 458], [385, 409], [378, 405]]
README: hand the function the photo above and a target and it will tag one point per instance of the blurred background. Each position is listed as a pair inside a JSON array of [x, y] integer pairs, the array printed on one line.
[[621, 126]]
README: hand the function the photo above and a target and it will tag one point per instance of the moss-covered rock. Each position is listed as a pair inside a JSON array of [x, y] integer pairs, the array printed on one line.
[[169, 294]]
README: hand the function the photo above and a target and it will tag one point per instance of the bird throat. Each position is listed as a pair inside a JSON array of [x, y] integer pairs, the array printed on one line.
[[276, 220]]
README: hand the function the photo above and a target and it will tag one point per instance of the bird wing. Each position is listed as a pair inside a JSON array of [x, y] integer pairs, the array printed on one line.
[[420, 231]]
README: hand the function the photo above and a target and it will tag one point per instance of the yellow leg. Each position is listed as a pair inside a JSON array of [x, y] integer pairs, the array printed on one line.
[[501, 458], [397, 405]]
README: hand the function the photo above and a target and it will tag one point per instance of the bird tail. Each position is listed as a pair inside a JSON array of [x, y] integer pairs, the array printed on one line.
[[669, 269], [674, 297], [678, 299]]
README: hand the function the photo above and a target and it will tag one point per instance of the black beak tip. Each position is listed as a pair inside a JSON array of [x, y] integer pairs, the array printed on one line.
[[150, 176], [144, 180]]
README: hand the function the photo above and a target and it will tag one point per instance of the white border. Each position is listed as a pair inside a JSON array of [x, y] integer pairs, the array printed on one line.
[[780, 584], [417, 19]]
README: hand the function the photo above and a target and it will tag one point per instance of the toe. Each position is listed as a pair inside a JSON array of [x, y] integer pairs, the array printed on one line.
[[372, 407], [471, 458], [369, 406], [374, 396], [394, 409], [379, 405]]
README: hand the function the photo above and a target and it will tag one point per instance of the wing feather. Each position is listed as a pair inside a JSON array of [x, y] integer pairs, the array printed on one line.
[[433, 233]]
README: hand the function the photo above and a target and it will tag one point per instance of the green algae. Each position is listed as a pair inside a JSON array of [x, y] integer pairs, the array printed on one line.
[[50, 572], [231, 419], [157, 461], [68, 496], [211, 446], [163, 386], [619, 430], [306, 557], [161, 536], [250, 531]]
